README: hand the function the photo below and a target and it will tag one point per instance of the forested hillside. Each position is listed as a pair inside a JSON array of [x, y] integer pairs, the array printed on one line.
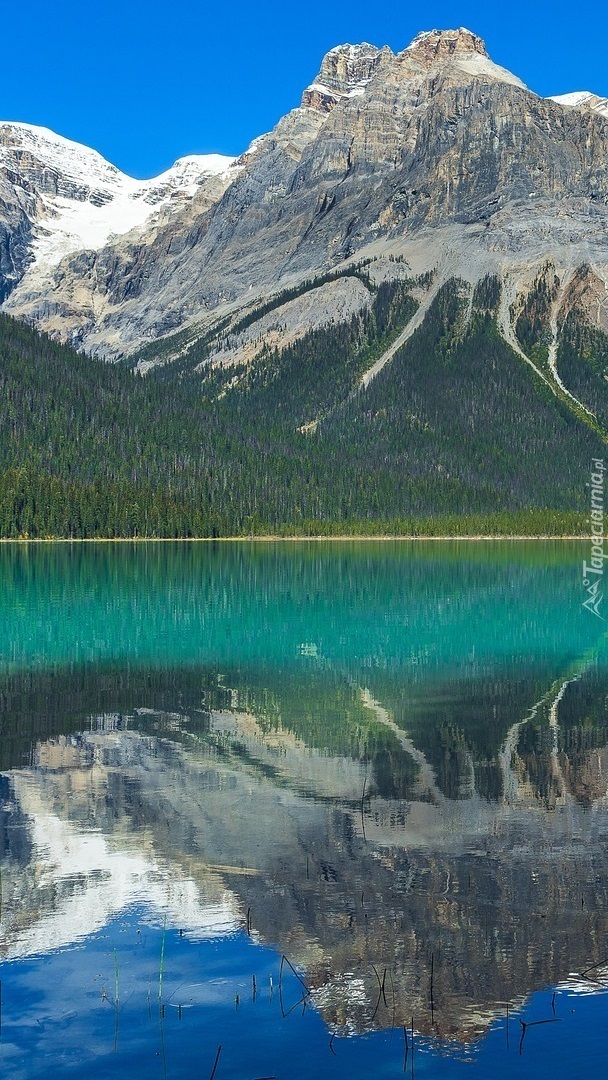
[[455, 435], [582, 362]]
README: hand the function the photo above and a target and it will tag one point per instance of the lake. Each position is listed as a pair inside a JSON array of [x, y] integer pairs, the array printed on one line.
[[302, 810]]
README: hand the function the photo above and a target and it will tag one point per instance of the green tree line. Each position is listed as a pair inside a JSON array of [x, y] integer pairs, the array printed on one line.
[[454, 436]]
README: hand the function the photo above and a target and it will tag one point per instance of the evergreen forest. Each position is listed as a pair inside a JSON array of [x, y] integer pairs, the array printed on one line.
[[456, 435]]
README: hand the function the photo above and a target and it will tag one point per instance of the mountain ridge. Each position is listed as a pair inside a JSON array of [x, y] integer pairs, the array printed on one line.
[[341, 331], [434, 149], [79, 201]]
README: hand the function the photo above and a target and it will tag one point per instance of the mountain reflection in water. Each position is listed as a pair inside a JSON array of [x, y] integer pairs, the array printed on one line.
[[422, 831]]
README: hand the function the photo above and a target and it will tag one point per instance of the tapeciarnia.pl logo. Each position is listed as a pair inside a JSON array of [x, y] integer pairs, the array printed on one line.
[[593, 571]]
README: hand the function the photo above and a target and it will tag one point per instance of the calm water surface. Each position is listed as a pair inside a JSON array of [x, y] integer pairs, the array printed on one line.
[[338, 809]]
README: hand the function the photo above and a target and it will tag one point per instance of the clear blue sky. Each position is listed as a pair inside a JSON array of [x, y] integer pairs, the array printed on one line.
[[145, 82]]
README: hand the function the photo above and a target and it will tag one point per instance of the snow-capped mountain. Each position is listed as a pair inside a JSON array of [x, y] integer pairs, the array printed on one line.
[[583, 99], [79, 200], [434, 155]]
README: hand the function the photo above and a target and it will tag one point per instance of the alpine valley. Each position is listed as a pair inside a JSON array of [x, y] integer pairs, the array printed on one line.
[[389, 315]]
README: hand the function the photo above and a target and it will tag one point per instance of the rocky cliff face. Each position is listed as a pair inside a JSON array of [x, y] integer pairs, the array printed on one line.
[[345, 72], [18, 208], [435, 154]]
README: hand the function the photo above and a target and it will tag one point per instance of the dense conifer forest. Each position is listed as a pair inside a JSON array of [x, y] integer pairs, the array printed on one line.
[[454, 436], [582, 362]]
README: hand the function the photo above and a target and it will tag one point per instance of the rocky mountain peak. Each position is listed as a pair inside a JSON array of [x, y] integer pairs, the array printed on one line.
[[345, 71], [347, 65], [433, 45], [436, 140], [457, 53]]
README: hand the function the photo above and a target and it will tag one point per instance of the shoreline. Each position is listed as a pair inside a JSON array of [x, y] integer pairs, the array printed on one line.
[[269, 539]]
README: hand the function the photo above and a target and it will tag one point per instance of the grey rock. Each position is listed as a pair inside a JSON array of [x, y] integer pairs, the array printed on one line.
[[434, 153]]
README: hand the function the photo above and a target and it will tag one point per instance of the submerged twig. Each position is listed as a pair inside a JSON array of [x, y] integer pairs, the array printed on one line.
[[362, 802], [394, 999], [594, 967], [217, 1058], [301, 1001], [116, 1001], [296, 973], [432, 972], [162, 961], [534, 1023]]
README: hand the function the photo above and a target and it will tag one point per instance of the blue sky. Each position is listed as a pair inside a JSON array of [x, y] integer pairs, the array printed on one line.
[[145, 82]]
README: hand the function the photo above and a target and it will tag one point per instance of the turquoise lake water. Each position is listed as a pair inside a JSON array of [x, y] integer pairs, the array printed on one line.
[[337, 808]]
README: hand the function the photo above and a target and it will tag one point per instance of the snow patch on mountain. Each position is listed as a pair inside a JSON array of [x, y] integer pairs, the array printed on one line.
[[463, 49], [574, 99], [83, 199], [585, 98], [326, 91], [479, 66], [427, 35]]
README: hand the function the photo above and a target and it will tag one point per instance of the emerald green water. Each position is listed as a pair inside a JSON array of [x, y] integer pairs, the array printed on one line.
[[360, 603], [386, 760]]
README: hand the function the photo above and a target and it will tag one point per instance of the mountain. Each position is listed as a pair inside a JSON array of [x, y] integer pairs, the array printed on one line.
[[340, 331], [59, 197], [585, 99], [435, 155]]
